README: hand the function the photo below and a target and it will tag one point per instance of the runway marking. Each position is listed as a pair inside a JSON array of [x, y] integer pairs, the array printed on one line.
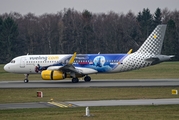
[[62, 105]]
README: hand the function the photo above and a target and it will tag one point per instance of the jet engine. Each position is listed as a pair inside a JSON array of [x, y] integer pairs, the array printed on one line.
[[52, 75]]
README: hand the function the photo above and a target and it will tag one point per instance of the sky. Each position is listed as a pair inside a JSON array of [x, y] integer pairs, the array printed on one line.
[[39, 7]]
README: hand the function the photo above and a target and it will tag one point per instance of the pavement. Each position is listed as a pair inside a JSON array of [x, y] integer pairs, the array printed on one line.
[[67, 104], [93, 83]]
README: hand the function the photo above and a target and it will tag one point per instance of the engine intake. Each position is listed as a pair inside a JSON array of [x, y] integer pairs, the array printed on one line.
[[52, 75]]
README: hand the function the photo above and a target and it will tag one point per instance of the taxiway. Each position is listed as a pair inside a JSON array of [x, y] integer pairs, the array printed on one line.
[[90, 103]]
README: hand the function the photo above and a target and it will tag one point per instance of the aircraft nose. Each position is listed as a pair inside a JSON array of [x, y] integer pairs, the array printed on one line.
[[6, 68]]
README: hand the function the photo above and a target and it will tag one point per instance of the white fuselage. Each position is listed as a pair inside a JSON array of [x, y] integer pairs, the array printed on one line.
[[27, 64]]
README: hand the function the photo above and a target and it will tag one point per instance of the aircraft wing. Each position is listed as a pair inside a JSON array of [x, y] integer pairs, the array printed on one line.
[[73, 70], [78, 70], [67, 67]]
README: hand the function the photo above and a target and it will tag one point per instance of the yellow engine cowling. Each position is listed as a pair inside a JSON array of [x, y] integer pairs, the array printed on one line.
[[52, 75]]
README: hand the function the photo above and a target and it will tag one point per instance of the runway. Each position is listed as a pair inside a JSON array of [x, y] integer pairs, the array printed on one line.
[[93, 83], [172, 101]]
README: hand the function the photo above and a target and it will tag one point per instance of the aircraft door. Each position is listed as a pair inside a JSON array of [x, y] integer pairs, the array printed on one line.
[[22, 62]]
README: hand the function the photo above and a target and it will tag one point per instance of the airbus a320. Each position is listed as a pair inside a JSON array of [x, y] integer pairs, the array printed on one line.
[[61, 66]]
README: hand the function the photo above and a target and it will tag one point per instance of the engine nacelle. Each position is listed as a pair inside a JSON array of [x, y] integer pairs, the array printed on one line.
[[52, 75]]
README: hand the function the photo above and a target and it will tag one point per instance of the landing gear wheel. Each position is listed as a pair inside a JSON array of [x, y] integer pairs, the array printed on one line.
[[75, 80], [26, 80], [87, 79]]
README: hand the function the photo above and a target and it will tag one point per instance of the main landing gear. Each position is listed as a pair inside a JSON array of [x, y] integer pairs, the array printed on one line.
[[26, 78], [75, 80], [86, 79]]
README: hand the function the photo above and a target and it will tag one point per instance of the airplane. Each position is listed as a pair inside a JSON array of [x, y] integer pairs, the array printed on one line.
[[61, 66]]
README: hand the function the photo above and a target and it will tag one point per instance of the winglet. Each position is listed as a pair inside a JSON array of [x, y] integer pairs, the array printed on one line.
[[72, 58], [130, 51]]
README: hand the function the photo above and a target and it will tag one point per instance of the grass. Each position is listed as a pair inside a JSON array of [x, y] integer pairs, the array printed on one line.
[[164, 112], [160, 71], [71, 94]]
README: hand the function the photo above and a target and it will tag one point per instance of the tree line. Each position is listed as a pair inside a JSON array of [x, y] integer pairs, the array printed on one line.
[[70, 31]]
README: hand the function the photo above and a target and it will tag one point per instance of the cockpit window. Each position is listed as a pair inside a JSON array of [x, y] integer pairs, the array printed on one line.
[[13, 61]]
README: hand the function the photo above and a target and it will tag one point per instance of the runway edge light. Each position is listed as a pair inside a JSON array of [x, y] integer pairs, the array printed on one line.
[[174, 92]]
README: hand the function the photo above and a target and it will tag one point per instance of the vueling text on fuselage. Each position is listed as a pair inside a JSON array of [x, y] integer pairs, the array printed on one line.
[[45, 58]]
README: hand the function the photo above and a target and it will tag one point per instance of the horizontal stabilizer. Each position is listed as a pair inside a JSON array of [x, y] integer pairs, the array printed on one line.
[[159, 58]]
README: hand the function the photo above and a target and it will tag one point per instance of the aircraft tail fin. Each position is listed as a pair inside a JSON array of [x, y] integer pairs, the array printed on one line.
[[154, 42]]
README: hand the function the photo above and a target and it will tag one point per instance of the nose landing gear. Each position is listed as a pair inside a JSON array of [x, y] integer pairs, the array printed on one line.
[[26, 78]]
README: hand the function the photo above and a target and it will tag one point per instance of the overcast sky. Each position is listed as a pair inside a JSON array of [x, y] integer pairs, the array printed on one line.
[[39, 7]]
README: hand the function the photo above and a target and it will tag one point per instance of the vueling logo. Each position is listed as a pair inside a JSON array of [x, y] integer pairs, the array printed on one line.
[[155, 36]]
